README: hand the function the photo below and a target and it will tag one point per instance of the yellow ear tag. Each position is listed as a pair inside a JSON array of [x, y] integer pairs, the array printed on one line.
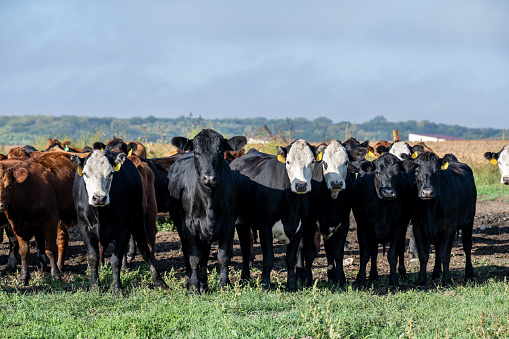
[[444, 166], [116, 168], [382, 153], [493, 161], [102, 149], [281, 158], [319, 156], [414, 155], [370, 154], [130, 152], [80, 171]]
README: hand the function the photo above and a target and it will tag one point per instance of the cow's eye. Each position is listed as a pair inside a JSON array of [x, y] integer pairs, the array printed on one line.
[[288, 163], [85, 175]]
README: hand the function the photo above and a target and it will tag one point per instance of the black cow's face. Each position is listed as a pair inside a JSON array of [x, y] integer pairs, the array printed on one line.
[[209, 147], [502, 160], [427, 167], [9, 176], [386, 170]]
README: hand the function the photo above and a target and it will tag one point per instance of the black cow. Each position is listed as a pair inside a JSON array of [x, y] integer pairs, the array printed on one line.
[[203, 203], [444, 204], [107, 193], [329, 212], [382, 211], [273, 199]]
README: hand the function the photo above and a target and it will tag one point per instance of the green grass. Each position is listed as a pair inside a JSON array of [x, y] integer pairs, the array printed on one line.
[[487, 181], [49, 309]]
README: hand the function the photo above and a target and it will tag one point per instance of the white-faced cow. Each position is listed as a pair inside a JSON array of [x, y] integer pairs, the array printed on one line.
[[329, 212], [381, 207], [444, 204], [502, 160], [203, 203], [273, 199], [108, 195]]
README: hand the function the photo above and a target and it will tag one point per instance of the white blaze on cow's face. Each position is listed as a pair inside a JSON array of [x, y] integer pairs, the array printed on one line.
[[300, 163], [503, 165], [400, 147], [98, 175], [335, 165]]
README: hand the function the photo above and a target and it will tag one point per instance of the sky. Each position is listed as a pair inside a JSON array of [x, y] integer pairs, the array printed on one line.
[[435, 60]]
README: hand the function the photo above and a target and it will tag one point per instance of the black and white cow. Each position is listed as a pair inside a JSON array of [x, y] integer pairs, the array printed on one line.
[[203, 203], [381, 207], [502, 160], [444, 204], [273, 199], [107, 193], [329, 212]]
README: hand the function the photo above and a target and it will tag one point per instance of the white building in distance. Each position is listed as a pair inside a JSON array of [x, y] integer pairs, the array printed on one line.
[[413, 137]]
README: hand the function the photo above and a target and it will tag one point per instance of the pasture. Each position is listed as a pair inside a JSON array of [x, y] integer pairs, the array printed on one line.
[[48, 308]]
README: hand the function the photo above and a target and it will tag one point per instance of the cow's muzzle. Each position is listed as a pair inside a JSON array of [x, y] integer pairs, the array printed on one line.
[[337, 185], [3, 206], [99, 199], [210, 180], [388, 193], [427, 193], [505, 180], [301, 187]]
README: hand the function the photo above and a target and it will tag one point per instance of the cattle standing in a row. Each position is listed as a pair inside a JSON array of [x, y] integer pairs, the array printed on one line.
[[382, 211], [502, 160], [329, 211], [203, 203], [273, 200], [444, 204], [108, 196]]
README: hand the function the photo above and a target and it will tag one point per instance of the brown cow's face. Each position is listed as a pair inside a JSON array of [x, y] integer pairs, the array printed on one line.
[[8, 178]]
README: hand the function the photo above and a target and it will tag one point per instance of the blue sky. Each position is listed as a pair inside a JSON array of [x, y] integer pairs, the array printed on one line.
[[442, 61]]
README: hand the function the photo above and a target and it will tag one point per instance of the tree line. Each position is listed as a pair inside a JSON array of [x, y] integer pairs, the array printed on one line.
[[28, 129]]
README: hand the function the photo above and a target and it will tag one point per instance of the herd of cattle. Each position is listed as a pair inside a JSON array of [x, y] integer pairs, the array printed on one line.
[[113, 192]]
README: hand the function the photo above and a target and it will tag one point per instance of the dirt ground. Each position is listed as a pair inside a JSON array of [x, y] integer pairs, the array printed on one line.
[[490, 253]]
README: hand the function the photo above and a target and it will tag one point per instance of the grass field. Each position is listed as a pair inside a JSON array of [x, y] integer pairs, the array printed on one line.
[[52, 309]]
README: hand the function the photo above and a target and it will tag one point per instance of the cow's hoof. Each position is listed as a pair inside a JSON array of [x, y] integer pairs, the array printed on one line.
[[393, 287], [422, 288]]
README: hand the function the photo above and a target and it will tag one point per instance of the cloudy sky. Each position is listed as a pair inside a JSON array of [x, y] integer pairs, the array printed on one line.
[[443, 61]]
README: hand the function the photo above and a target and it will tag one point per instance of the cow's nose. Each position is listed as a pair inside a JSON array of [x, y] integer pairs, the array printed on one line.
[[505, 180], [388, 193], [98, 199], [210, 180], [428, 193], [337, 184], [3, 205], [301, 186]]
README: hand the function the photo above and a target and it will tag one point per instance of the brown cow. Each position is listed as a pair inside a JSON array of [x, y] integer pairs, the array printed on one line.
[[383, 143], [17, 153], [229, 156], [55, 145], [28, 199]]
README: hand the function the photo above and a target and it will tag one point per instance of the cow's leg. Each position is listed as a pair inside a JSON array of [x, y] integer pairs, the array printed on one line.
[[338, 248], [121, 243], [373, 253], [50, 233], [224, 254], [291, 261], [364, 254], [412, 245], [466, 238], [13, 249], [306, 254], [392, 257], [202, 267], [24, 250], [268, 254], [92, 246], [39, 250], [131, 252], [401, 252], [437, 268], [243, 231], [423, 248], [147, 254], [329, 253], [445, 255], [63, 244]]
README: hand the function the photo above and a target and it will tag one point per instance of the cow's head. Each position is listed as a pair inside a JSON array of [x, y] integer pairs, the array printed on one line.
[[427, 167], [9, 177], [300, 158], [400, 148], [502, 160], [386, 169], [97, 170], [208, 147]]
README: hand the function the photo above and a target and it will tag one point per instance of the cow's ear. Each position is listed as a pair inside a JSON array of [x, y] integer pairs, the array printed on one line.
[[408, 165], [119, 160], [366, 167], [131, 148], [365, 143], [281, 154], [492, 157], [444, 163], [358, 153], [416, 150], [236, 143], [99, 145], [382, 149], [182, 143], [21, 174], [78, 162], [319, 152]]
